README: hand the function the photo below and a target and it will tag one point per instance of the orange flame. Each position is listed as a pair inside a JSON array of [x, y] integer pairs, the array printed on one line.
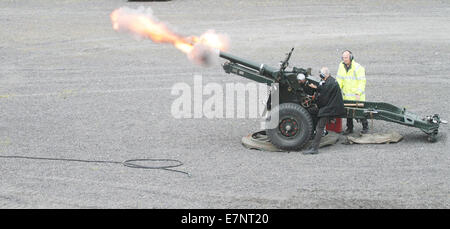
[[145, 25]]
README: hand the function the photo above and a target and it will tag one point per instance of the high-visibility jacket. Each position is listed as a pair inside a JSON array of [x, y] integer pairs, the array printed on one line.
[[352, 82]]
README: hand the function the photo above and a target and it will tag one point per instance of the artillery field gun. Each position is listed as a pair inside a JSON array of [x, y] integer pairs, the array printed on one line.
[[296, 108]]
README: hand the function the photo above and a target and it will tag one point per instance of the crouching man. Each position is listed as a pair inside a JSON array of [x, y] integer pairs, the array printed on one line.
[[330, 103]]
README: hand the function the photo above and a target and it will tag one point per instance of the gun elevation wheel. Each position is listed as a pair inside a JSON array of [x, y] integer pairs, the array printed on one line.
[[294, 127]]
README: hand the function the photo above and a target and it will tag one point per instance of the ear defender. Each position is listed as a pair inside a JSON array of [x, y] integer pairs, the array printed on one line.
[[351, 54], [322, 76]]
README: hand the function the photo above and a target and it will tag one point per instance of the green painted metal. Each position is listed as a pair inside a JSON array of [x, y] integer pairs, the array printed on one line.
[[391, 113], [247, 73]]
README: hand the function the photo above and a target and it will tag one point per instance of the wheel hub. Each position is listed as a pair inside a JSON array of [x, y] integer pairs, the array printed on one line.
[[288, 127]]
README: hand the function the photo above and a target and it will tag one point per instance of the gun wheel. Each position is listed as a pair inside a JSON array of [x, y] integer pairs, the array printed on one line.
[[294, 127]]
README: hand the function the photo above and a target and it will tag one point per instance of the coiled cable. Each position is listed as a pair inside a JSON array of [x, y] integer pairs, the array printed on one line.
[[128, 163]]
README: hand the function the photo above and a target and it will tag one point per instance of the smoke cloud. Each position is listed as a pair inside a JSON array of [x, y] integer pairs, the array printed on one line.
[[142, 24]]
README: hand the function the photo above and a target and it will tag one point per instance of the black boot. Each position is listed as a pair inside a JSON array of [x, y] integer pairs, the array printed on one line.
[[349, 129], [314, 149], [365, 130], [365, 124]]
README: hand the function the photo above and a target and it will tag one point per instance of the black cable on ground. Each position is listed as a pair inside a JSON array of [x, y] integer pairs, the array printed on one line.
[[127, 163]]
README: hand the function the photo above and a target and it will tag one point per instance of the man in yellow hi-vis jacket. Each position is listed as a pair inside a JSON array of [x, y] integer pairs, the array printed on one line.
[[351, 77]]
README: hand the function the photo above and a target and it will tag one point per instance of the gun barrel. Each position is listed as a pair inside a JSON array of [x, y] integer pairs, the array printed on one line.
[[246, 63]]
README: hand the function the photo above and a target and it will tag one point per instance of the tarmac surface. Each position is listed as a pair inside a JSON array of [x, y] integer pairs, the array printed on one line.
[[72, 87]]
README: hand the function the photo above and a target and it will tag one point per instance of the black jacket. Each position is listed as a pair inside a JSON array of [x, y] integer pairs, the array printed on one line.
[[330, 100]]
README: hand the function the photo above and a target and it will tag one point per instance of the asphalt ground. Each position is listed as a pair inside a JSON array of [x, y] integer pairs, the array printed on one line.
[[72, 87]]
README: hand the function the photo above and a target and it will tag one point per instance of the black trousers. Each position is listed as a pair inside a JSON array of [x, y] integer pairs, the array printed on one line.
[[319, 130], [364, 122]]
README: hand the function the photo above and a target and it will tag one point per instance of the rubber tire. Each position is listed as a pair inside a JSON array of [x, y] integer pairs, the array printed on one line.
[[303, 118]]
